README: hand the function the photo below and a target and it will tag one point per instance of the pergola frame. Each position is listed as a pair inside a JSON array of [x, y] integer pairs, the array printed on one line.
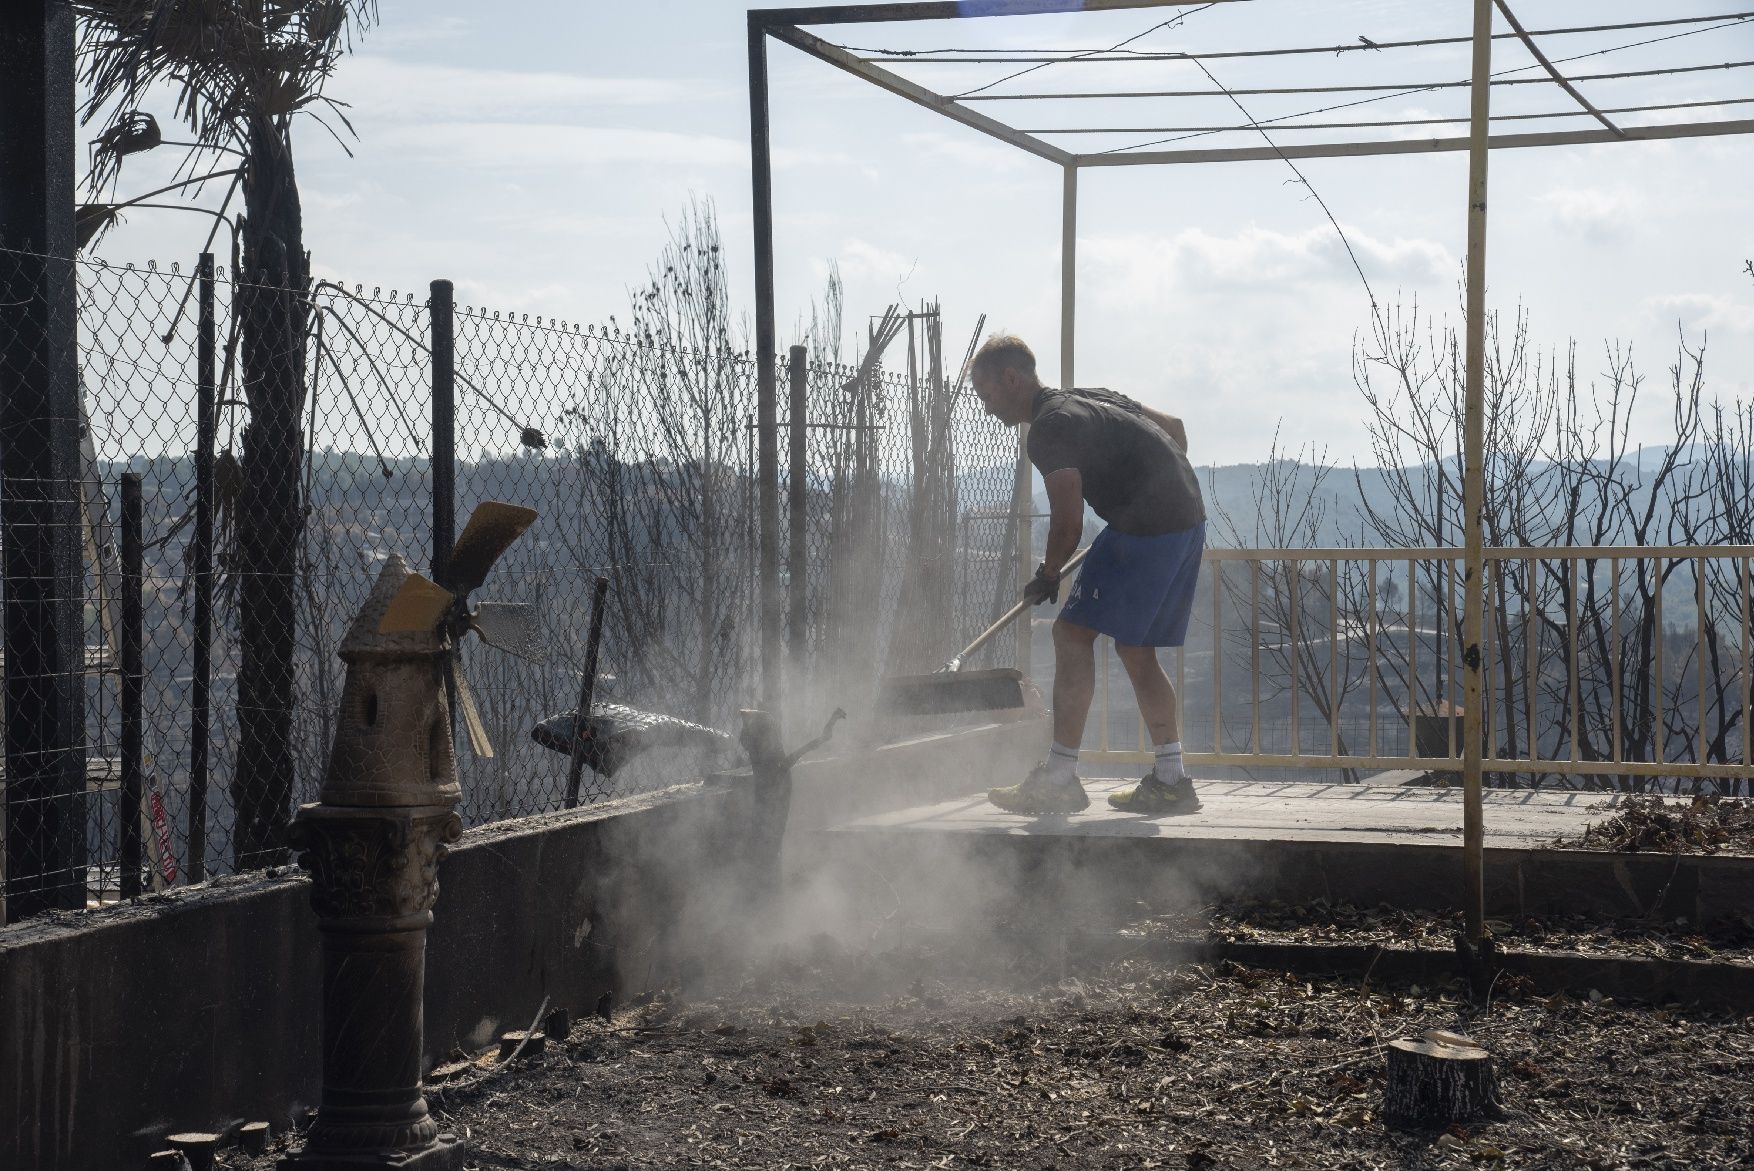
[[784, 25]]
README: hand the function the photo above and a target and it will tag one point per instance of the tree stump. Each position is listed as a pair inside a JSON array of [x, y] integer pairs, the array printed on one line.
[[522, 1044], [253, 1138], [1438, 1078], [198, 1148]]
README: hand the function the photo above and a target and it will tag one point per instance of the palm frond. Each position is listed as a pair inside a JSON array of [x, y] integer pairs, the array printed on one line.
[[230, 62], [92, 220], [131, 132]]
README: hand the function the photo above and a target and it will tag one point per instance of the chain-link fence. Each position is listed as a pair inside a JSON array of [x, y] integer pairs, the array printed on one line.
[[640, 459]]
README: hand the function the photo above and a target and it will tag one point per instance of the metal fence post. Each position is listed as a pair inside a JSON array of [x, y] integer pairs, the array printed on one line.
[[587, 691], [201, 557], [444, 427], [442, 307], [797, 494], [133, 686], [1022, 510], [45, 855]]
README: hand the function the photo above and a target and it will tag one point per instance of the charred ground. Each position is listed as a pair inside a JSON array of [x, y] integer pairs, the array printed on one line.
[[912, 1057]]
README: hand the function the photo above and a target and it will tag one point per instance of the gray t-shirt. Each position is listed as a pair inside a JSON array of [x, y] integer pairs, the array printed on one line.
[[1135, 476]]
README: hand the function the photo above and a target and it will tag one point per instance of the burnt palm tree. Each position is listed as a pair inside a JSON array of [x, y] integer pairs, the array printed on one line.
[[243, 71]]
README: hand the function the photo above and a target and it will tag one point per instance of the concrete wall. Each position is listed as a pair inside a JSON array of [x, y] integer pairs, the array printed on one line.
[[197, 1009]]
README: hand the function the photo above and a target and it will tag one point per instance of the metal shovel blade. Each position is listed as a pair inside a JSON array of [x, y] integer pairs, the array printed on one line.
[[492, 528], [513, 627]]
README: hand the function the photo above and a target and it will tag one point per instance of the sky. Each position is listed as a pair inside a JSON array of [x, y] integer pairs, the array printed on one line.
[[534, 152]]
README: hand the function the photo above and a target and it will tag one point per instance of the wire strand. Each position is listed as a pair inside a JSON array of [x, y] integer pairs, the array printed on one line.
[[1345, 243], [1100, 56], [1172, 21], [1391, 89], [1427, 88], [1389, 124]]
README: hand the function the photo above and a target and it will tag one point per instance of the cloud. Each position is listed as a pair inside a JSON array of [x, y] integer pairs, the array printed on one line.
[[385, 89], [1134, 268], [966, 147], [522, 145], [861, 260], [1595, 213], [1416, 113], [429, 30], [528, 146], [1702, 312]]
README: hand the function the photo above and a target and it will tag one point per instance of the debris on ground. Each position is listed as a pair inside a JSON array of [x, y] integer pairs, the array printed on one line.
[[1322, 922], [914, 1058], [1703, 824]]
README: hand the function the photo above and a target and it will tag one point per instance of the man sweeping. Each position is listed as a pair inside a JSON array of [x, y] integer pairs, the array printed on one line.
[[1130, 464]]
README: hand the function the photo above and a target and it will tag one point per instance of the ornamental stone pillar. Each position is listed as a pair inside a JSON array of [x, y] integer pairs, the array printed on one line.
[[372, 844]]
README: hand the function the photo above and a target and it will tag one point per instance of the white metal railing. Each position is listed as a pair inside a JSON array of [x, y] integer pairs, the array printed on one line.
[[1602, 662]]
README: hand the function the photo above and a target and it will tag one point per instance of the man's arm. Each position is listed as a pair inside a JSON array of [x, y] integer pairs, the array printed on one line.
[[1065, 517], [1170, 425]]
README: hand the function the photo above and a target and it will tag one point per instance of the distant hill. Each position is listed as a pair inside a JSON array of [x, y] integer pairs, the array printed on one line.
[[1230, 492]]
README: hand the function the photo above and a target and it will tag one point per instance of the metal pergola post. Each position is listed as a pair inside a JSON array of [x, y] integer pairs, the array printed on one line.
[[1474, 484], [1068, 274], [767, 390]]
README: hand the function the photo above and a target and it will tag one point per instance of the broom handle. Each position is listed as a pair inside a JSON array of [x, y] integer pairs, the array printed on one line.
[[1010, 615]]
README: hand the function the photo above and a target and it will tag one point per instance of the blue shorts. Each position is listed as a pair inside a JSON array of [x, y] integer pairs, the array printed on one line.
[[1138, 590]]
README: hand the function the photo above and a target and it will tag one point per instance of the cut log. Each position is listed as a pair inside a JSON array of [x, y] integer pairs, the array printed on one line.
[[199, 1148], [253, 1138], [522, 1044], [1438, 1078]]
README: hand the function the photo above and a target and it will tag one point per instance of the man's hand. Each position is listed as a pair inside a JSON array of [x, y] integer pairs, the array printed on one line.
[[1043, 587]]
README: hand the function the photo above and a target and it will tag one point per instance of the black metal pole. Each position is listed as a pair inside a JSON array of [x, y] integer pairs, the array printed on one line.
[[201, 554], [444, 427], [45, 853], [133, 684], [797, 482], [767, 414], [442, 307], [587, 692]]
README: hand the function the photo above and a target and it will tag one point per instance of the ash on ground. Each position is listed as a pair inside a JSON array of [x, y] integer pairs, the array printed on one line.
[[915, 1057], [1321, 922]]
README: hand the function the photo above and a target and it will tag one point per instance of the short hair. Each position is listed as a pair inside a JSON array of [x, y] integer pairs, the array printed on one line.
[[1004, 351]]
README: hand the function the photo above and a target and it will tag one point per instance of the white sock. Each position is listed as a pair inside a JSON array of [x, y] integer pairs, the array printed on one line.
[[1168, 768], [1062, 763]]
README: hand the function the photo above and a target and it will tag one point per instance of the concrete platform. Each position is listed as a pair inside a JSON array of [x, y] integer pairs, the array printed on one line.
[[1274, 811], [1364, 844]]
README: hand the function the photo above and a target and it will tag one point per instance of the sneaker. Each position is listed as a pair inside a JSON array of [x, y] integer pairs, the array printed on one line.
[[1037, 794], [1151, 795]]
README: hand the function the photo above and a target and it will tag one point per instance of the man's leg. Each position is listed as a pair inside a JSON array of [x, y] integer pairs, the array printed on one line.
[[1052, 786], [1153, 690], [1157, 704], [1074, 681]]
